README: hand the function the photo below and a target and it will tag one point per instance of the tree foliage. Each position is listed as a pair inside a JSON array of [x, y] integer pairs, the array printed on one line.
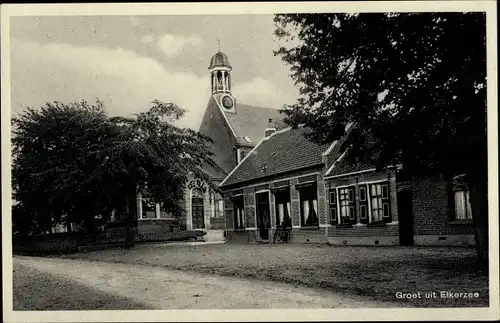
[[410, 80], [413, 84], [72, 162]]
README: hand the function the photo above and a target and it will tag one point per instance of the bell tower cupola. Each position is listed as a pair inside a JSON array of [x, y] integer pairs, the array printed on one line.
[[220, 70], [220, 76]]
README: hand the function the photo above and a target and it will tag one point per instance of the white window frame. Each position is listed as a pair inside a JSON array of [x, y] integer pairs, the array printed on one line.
[[467, 204], [302, 225], [368, 196], [338, 188], [289, 201], [238, 155], [243, 227]]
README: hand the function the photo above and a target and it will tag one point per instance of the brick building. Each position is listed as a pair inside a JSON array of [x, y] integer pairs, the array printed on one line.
[[279, 182], [312, 189]]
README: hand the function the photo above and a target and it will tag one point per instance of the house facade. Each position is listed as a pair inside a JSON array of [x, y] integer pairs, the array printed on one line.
[[440, 209], [280, 182], [322, 198]]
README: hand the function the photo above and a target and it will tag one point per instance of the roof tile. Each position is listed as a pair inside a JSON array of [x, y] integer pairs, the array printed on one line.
[[251, 121], [284, 151]]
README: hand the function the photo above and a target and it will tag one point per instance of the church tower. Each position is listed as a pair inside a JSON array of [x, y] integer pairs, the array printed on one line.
[[220, 72]]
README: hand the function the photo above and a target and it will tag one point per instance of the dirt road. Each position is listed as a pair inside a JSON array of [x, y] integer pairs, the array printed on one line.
[[150, 287]]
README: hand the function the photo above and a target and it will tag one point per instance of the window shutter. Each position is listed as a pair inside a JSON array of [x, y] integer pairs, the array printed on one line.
[[333, 206], [363, 204], [386, 206], [352, 206]]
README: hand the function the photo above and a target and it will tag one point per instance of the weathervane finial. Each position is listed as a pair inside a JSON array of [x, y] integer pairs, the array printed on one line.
[[218, 44]]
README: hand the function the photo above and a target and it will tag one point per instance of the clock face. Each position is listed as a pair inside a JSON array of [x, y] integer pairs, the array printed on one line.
[[227, 102]]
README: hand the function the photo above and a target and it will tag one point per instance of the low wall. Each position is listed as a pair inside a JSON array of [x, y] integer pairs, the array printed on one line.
[[304, 235], [69, 242], [150, 230], [364, 235], [217, 223], [297, 235], [156, 229], [147, 230], [445, 240], [308, 235], [46, 244], [241, 236]]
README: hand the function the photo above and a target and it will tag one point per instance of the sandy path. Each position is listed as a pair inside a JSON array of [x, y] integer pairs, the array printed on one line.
[[159, 288]]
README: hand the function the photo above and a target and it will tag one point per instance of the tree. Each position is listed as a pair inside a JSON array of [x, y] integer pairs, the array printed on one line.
[[48, 145], [153, 157], [73, 159], [413, 84]]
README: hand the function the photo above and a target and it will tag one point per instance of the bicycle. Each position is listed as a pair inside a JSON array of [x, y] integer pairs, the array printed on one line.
[[282, 233]]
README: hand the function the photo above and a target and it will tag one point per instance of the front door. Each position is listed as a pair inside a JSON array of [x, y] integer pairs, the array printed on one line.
[[263, 215], [198, 213], [405, 218]]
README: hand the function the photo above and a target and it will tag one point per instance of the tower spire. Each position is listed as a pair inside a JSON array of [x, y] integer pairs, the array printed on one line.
[[218, 44]]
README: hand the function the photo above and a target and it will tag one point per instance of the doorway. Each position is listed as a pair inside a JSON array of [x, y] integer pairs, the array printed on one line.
[[405, 216], [263, 215], [198, 213]]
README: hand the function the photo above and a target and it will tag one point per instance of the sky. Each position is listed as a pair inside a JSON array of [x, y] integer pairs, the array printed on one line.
[[129, 61]]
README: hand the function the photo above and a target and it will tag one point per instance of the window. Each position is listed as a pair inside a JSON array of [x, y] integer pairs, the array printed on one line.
[[308, 205], [237, 155], [363, 205], [148, 209], [239, 213], [379, 202], [347, 205], [282, 205], [333, 206], [219, 206], [463, 210]]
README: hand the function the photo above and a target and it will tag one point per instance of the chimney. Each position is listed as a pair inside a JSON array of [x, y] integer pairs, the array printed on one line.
[[270, 128]]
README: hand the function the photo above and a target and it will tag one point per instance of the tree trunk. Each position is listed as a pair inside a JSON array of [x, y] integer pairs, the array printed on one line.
[[131, 217], [478, 191], [93, 227]]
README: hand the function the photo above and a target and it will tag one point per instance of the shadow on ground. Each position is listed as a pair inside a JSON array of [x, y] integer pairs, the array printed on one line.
[[39, 291]]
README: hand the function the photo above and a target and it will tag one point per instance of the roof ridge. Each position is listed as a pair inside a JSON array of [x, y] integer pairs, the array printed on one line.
[[335, 163], [226, 120], [241, 163], [254, 106], [274, 142]]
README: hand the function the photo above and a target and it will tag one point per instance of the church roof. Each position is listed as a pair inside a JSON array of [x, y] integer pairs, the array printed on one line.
[[250, 122], [215, 171], [219, 59], [284, 151]]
